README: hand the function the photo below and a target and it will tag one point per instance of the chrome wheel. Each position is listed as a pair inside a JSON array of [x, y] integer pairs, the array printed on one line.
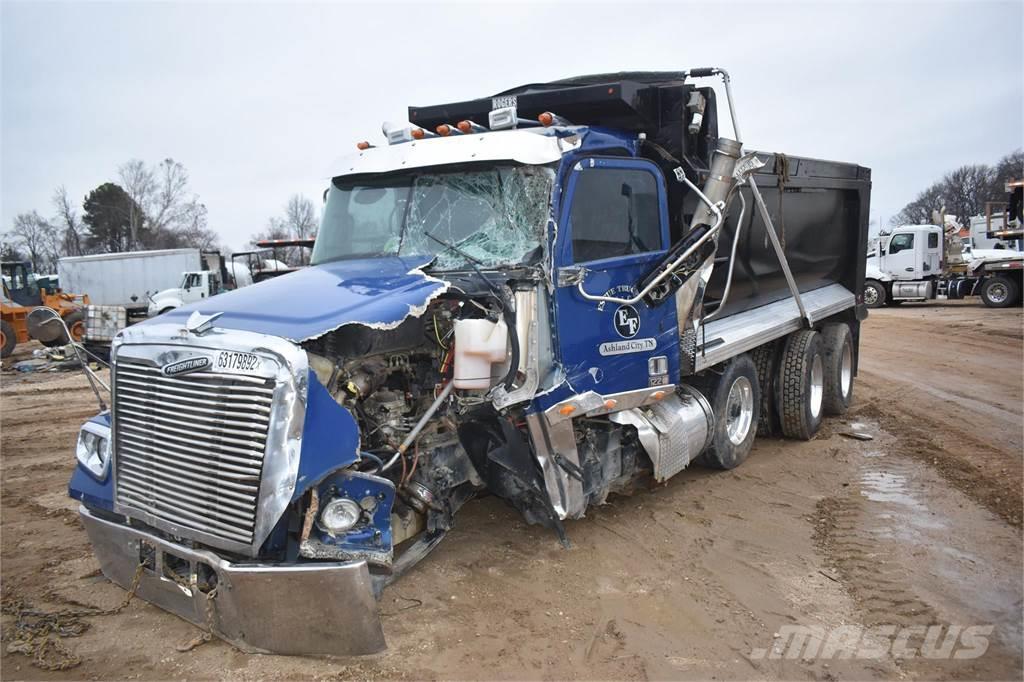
[[817, 387], [870, 296], [739, 410], [846, 371], [998, 292]]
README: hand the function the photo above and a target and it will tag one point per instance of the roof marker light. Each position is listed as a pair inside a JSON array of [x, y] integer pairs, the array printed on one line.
[[468, 126], [363, 146], [420, 133], [548, 119], [444, 130]]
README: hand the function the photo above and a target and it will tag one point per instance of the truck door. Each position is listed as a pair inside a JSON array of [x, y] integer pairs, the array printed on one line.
[[195, 287], [614, 225], [901, 258], [933, 248]]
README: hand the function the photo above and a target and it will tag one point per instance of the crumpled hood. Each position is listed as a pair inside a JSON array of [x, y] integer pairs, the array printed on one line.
[[375, 292]]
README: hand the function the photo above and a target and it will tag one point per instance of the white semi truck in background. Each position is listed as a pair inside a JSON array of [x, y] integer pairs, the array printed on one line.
[[916, 263], [923, 262], [129, 279]]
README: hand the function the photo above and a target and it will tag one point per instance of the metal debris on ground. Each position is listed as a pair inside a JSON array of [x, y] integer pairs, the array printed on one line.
[[50, 360], [857, 435], [37, 634]]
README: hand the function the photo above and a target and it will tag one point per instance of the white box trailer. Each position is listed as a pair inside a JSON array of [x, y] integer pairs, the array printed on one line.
[[129, 279]]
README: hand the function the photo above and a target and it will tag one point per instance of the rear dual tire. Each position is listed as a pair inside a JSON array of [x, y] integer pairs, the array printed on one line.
[[800, 389], [999, 292], [814, 378], [837, 347]]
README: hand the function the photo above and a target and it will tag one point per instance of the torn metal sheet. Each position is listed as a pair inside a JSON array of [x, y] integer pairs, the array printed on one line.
[[378, 293]]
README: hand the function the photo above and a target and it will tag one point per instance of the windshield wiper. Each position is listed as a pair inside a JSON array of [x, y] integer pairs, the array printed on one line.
[[454, 247]]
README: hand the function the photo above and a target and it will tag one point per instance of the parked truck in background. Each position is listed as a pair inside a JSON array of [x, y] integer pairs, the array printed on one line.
[[129, 279], [559, 293], [923, 262]]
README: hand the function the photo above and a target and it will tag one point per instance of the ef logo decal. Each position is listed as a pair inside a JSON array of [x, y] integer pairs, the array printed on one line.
[[627, 321]]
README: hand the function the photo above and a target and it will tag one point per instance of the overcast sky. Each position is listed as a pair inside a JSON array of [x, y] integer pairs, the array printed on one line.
[[257, 100]]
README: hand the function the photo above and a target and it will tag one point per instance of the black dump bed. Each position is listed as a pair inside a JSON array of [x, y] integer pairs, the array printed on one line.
[[822, 222]]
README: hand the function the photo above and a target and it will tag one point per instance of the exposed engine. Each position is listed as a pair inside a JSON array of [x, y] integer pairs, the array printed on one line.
[[441, 443]]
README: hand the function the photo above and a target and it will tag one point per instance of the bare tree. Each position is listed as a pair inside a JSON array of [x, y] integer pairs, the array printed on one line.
[[139, 183], [963, 192], [300, 217], [194, 230], [68, 222], [38, 238], [170, 200], [299, 221], [167, 205]]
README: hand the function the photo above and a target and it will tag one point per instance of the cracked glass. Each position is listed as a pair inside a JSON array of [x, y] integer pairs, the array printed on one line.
[[485, 217]]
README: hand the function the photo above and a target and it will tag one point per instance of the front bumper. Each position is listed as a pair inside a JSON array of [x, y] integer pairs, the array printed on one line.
[[315, 608]]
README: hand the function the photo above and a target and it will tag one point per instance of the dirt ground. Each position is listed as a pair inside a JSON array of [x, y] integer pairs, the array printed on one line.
[[696, 579]]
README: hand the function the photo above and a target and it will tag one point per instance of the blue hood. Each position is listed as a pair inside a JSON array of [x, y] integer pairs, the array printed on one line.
[[376, 292]]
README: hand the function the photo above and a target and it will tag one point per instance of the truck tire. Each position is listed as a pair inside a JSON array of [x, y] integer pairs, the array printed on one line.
[[736, 402], [8, 338], [874, 294], [800, 385], [999, 292], [837, 348], [765, 359]]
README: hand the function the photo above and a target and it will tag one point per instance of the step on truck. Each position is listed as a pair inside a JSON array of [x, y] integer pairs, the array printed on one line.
[[566, 291]]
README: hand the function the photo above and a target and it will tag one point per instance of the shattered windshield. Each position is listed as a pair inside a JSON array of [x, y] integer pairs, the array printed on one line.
[[486, 217]]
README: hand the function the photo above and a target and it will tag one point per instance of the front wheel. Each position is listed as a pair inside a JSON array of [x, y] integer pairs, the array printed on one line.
[[874, 294], [999, 292], [735, 399]]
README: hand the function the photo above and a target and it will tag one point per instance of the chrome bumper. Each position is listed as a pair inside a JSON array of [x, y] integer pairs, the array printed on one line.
[[316, 608]]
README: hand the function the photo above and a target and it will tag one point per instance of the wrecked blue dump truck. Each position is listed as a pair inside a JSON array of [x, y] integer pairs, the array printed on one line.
[[565, 291]]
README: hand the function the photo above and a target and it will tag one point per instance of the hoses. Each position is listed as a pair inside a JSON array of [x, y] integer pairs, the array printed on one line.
[[732, 260], [411, 436]]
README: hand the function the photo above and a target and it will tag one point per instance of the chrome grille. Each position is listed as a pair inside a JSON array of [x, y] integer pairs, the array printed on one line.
[[189, 450]]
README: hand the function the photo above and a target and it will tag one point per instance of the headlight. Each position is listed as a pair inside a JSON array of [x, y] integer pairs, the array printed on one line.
[[339, 515], [93, 449]]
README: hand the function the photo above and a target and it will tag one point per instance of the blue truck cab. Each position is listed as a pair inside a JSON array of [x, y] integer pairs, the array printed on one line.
[[549, 295]]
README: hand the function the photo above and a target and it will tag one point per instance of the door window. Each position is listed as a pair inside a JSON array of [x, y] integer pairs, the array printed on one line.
[[933, 240], [901, 242], [614, 213], [193, 280]]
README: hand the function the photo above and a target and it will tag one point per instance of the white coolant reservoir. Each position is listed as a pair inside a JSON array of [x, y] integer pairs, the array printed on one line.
[[479, 344]]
